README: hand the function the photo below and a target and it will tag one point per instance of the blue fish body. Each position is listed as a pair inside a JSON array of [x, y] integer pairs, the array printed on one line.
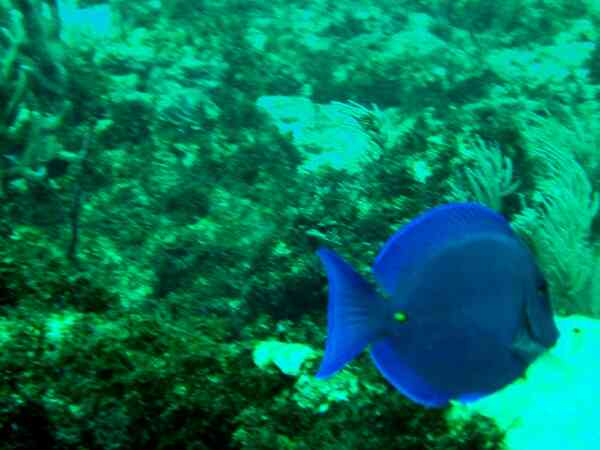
[[461, 308]]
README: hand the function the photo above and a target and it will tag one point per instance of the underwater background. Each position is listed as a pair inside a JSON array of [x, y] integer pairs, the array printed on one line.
[[168, 170]]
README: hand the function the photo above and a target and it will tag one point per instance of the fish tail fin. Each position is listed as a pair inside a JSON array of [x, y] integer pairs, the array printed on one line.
[[356, 313]]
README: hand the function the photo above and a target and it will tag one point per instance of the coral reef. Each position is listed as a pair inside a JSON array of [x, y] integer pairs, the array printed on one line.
[[167, 175]]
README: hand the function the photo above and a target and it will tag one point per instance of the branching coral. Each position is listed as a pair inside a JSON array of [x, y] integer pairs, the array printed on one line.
[[13, 77], [31, 79]]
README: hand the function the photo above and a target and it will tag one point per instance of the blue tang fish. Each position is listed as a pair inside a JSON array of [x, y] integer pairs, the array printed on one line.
[[460, 309]]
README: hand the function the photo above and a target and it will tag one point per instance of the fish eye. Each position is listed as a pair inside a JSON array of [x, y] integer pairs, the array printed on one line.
[[542, 289]]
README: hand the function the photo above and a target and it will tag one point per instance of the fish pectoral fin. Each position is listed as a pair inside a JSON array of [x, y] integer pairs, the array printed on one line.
[[525, 347]]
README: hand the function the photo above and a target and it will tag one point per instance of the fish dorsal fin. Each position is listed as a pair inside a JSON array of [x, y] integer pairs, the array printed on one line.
[[432, 230]]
